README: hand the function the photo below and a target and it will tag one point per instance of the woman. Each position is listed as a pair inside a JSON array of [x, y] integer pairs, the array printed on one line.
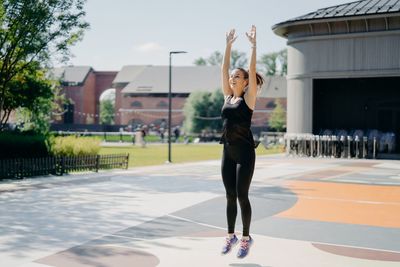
[[240, 91]]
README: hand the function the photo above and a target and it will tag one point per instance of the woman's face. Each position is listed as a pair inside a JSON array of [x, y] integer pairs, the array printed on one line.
[[237, 81]]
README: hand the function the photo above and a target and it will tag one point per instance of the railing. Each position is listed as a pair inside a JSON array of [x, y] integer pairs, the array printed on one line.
[[271, 138], [308, 145], [105, 136], [27, 167]]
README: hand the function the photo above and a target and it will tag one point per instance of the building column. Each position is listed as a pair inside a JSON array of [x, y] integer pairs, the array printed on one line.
[[299, 105]]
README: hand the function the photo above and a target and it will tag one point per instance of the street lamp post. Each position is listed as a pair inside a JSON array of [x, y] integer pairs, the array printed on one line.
[[170, 101]]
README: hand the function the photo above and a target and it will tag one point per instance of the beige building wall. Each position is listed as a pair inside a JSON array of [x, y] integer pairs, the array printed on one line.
[[354, 55]]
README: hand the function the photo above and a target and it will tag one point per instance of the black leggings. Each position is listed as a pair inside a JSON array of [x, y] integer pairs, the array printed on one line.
[[237, 171]]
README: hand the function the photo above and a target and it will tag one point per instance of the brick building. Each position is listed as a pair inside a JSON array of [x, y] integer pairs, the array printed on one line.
[[82, 87], [141, 94]]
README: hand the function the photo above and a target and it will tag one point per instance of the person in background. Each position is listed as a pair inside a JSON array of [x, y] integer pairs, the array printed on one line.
[[177, 133]]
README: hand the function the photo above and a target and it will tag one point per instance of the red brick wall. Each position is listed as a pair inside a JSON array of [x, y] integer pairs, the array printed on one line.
[[152, 116], [75, 94], [262, 112], [89, 100], [86, 97], [260, 115], [103, 82], [118, 104]]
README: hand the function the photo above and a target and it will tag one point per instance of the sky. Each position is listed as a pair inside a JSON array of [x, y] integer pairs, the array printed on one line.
[[143, 32]]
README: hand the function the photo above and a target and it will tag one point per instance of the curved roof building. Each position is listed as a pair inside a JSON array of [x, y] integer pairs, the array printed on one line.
[[344, 68]]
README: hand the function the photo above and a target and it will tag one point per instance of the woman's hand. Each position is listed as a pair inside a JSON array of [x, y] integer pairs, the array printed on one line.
[[230, 37], [252, 36]]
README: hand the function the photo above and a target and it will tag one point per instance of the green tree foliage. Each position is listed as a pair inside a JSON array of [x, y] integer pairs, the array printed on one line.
[[277, 120], [268, 63], [23, 145], [32, 97], [107, 111], [283, 61], [200, 62], [238, 60], [217, 100], [274, 63], [203, 110], [33, 31], [215, 59]]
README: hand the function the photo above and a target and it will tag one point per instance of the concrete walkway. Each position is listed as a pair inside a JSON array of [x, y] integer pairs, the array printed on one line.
[[306, 212]]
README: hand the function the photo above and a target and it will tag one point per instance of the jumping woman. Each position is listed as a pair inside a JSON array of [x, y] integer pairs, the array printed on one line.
[[240, 89]]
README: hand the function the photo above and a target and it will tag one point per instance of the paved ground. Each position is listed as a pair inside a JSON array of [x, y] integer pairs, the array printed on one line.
[[306, 212]]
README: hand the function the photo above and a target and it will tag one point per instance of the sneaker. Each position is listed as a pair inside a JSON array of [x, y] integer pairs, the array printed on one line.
[[229, 243], [244, 247]]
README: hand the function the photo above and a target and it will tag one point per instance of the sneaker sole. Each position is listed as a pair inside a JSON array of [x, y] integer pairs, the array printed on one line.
[[248, 251], [233, 245]]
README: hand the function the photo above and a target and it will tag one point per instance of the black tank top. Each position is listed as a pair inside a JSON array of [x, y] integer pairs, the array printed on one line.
[[236, 122]]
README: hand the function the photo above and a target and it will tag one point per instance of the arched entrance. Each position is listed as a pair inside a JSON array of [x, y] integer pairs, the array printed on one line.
[[106, 113]]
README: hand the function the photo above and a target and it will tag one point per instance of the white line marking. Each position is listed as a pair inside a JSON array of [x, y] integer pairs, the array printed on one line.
[[310, 241], [199, 223], [127, 237], [356, 247]]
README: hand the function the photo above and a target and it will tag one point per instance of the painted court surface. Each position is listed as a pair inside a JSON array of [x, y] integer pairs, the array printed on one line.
[[306, 212]]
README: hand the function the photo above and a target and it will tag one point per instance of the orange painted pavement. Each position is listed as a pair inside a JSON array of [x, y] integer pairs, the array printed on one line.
[[345, 203]]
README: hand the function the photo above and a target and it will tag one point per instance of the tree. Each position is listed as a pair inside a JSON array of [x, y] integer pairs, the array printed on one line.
[[238, 60], [274, 63], [277, 119], [202, 111], [34, 98], [283, 61], [200, 62], [107, 111], [268, 63], [215, 59], [33, 31], [214, 110]]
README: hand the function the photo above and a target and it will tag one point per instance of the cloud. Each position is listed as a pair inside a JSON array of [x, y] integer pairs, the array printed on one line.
[[149, 47]]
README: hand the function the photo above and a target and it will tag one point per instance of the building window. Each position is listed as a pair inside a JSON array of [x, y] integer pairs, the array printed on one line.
[[162, 104], [271, 104], [136, 104]]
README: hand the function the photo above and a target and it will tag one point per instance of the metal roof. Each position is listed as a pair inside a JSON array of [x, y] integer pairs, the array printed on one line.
[[357, 8], [187, 79], [274, 87], [128, 73], [141, 79], [71, 74]]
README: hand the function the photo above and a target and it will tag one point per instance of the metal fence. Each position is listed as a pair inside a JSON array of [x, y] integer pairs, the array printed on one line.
[[308, 145], [269, 139], [28, 167]]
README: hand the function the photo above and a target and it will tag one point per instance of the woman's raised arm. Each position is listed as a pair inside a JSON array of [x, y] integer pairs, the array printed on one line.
[[251, 93], [226, 88]]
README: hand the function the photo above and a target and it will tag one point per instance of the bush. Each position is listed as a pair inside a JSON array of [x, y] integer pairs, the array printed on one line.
[[23, 145], [75, 146]]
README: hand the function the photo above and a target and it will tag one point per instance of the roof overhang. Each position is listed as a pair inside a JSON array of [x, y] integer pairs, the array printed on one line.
[[281, 29]]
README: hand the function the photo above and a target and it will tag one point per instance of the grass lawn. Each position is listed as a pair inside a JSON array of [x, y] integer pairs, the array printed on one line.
[[155, 154]]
